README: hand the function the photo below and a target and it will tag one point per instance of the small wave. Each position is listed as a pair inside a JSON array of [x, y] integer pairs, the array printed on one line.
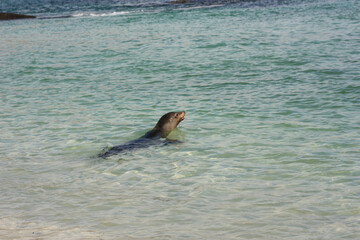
[[99, 14]]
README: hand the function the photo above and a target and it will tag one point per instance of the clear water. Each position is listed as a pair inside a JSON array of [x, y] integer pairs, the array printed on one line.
[[271, 137]]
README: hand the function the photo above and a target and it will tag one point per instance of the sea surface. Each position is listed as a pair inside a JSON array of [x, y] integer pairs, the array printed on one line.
[[269, 148]]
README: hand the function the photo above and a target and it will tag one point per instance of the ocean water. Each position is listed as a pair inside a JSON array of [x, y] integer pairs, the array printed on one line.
[[270, 145]]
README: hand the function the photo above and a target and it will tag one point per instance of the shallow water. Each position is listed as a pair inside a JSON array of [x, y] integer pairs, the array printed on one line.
[[270, 141]]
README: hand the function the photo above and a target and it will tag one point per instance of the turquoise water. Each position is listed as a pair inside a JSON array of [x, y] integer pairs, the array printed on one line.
[[270, 141]]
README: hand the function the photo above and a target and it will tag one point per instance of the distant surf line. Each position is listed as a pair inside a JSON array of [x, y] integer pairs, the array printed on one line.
[[85, 14]]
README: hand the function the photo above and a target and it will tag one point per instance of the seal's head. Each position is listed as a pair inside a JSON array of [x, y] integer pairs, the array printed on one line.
[[168, 122]]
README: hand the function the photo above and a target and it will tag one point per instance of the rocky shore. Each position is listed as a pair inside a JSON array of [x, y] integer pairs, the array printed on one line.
[[13, 16]]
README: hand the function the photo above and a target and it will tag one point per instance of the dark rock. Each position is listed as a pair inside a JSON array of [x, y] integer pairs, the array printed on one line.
[[181, 1], [13, 16]]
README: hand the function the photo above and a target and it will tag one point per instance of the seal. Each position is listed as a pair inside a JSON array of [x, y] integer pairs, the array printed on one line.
[[162, 129]]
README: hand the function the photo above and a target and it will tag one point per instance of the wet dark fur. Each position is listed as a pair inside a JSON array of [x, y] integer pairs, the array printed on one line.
[[162, 129]]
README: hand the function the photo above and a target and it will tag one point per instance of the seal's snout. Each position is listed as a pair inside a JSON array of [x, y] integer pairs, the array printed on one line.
[[182, 116]]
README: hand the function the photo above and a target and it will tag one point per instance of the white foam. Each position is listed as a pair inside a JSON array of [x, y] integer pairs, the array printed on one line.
[[87, 14]]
